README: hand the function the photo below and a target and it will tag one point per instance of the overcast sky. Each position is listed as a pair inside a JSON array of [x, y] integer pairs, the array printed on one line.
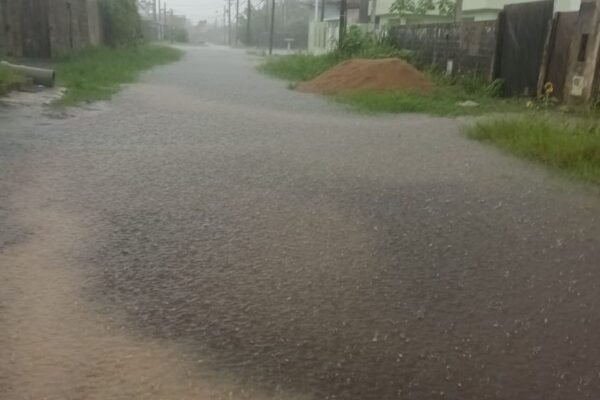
[[197, 9]]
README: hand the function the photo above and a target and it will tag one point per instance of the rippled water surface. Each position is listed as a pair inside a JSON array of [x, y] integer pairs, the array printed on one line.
[[211, 235]]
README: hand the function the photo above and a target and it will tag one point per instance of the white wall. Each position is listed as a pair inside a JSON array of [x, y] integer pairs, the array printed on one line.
[[487, 9], [559, 5]]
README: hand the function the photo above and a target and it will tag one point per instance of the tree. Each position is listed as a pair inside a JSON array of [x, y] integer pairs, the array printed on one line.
[[421, 7], [121, 22], [146, 7]]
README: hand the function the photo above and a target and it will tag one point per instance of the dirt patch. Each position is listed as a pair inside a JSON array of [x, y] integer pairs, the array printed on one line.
[[363, 74]]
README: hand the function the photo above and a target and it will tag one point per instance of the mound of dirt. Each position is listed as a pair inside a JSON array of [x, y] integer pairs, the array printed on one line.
[[365, 74]]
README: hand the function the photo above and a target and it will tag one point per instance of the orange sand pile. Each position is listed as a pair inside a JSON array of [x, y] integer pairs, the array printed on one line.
[[364, 74]]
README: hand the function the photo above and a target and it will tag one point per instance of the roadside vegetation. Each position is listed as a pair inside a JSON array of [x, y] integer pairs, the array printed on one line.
[[9, 80], [569, 145], [298, 67], [98, 73], [304, 67], [447, 98], [450, 97], [566, 140]]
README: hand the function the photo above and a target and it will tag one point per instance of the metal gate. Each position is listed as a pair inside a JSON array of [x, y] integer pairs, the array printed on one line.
[[34, 28], [522, 35]]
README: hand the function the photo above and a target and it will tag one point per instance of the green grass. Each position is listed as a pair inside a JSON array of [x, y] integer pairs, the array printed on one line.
[[569, 146], [9, 80], [98, 73], [298, 67], [441, 101]]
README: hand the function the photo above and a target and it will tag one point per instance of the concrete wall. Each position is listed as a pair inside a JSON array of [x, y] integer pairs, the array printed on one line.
[[69, 26], [25, 28], [3, 43], [10, 28], [44, 28], [94, 23], [322, 36]]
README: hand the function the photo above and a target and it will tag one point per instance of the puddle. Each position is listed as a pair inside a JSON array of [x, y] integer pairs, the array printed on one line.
[[54, 347]]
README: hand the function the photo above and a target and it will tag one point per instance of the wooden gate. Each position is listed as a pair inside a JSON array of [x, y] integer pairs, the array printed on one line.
[[563, 29], [34, 28], [522, 36]]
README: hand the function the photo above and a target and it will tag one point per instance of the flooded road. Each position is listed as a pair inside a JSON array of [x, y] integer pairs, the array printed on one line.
[[211, 235]]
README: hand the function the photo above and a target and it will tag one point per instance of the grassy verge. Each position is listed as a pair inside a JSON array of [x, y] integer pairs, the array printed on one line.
[[96, 74], [9, 80], [443, 100], [572, 147], [298, 67]]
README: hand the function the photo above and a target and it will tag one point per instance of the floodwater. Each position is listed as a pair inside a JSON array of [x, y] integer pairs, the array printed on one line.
[[212, 235]]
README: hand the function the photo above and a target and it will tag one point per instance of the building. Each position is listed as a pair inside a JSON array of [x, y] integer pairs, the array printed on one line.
[[472, 10], [48, 28], [323, 34], [323, 31]]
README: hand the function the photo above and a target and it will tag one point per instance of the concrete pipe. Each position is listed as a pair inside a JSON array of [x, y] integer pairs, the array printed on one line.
[[40, 76]]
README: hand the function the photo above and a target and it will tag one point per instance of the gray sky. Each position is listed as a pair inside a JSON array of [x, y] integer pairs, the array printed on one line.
[[197, 9]]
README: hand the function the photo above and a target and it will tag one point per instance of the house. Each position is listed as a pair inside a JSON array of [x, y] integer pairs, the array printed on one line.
[[324, 29], [472, 10], [48, 28], [323, 34], [329, 10]]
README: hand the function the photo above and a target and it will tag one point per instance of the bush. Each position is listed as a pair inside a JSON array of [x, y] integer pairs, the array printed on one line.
[[121, 22], [357, 44], [298, 67], [9, 80], [470, 83]]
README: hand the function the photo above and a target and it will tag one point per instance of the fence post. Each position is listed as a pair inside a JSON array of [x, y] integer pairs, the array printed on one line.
[[548, 47]]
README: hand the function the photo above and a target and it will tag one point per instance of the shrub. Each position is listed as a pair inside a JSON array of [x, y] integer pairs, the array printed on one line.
[[367, 45], [121, 22], [9, 79], [298, 67]]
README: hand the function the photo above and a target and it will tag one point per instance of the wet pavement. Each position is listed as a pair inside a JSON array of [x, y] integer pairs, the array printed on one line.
[[210, 234]]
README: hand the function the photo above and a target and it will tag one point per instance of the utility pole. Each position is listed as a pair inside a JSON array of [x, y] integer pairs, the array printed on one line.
[[165, 20], [224, 25], [237, 22], [323, 10], [272, 30], [248, 40], [458, 6], [154, 10], [160, 29], [373, 13], [317, 10], [284, 12], [266, 15], [343, 12], [229, 22]]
